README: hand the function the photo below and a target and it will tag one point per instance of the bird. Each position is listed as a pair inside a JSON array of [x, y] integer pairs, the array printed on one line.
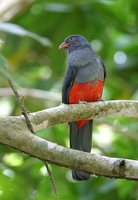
[[83, 82]]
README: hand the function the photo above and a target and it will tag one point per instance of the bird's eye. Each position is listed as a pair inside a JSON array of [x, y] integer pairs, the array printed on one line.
[[72, 38]]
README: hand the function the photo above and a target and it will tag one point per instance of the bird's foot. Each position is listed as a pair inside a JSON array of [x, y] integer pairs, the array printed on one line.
[[83, 102], [102, 100]]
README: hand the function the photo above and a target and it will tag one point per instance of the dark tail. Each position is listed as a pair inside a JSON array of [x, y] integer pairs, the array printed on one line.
[[81, 139]]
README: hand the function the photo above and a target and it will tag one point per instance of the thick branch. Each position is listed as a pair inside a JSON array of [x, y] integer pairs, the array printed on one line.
[[94, 164], [68, 113]]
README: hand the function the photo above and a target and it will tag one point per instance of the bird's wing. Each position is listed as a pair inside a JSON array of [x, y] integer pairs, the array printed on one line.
[[103, 69], [68, 83]]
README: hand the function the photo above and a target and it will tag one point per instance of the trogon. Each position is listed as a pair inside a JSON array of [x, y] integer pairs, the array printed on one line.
[[83, 81]]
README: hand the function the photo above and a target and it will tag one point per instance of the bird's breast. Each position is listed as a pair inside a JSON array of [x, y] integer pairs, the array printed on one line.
[[80, 57]]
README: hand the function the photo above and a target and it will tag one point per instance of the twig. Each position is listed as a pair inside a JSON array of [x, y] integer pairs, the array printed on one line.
[[30, 127], [22, 107], [51, 179]]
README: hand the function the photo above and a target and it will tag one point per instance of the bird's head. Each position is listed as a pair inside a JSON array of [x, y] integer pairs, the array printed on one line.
[[74, 42]]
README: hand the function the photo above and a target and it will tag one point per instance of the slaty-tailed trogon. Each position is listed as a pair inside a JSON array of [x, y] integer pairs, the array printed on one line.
[[84, 81]]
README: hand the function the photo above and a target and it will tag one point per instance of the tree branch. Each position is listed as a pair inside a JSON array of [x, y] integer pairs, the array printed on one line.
[[68, 113], [31, 92], [91, 163], [14, 132]]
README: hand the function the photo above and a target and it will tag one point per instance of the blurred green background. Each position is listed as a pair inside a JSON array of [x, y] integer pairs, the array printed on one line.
[[112, 28]]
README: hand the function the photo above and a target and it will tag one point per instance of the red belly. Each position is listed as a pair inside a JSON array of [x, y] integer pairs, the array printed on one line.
[[89, 91]]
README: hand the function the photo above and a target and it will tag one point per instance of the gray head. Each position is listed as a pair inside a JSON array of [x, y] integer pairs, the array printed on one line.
[[75, 42]]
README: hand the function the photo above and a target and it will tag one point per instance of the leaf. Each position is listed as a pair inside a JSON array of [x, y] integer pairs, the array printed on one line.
[[20, 31]]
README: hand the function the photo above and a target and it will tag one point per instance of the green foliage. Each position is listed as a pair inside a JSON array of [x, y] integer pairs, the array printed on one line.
[[111, 27]]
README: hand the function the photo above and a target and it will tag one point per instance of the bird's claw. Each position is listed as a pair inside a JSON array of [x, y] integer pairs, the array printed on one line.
[[83, 102], [102, 100]]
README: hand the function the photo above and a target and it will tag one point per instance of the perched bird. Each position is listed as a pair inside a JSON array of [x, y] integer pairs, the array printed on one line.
[[84, 81]]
